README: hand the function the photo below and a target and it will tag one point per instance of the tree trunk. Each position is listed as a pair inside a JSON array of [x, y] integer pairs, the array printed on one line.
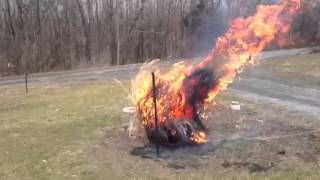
[[38, 17], [86, 31], [10, 19], [118, 33]]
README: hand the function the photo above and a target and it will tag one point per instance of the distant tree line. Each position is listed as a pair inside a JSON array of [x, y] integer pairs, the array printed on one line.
[[50, 35]]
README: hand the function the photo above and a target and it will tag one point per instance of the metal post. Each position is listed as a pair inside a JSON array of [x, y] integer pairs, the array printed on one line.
[[26, 80], [154, 90]]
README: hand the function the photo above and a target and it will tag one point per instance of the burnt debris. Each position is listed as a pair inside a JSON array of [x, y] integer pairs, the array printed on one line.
[[180, 132]]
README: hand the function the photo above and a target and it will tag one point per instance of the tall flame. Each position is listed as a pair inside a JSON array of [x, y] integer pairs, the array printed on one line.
[[185, 90]]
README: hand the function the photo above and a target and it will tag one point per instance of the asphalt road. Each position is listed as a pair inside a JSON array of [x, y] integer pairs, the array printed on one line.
[[109, 73], [298, 95]]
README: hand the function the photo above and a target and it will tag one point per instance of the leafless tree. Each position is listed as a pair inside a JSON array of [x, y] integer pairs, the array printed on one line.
[[51, 35]]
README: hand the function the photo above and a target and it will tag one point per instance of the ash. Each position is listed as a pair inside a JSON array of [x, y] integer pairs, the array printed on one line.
[[237, 139]]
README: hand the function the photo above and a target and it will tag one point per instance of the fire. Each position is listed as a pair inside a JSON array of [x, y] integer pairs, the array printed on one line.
[[185, 91], [199, 138]]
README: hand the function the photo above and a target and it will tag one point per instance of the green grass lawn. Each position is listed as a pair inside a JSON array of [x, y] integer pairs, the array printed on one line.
[[43, 135], [307, 65], [71, 131]]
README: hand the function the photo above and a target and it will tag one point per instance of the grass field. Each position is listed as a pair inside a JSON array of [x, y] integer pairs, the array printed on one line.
[[44, 134], [307, 65], [75, 131]]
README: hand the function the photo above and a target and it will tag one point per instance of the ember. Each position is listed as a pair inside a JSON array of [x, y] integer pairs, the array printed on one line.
[[185, 91]]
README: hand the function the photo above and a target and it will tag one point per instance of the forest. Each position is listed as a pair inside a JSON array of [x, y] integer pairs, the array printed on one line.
[[53, 35]]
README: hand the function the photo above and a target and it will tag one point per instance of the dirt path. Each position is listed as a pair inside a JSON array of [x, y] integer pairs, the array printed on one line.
[[124, 72], [297, 95]]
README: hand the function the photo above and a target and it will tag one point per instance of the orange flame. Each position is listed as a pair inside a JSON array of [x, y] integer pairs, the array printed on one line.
[[199, 137], [238, 48]]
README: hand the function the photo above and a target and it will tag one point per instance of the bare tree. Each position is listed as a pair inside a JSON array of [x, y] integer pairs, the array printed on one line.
[[86, 28], [50, 35]]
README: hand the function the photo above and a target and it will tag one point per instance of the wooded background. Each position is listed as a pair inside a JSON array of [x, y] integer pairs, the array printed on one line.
[[51, 35]]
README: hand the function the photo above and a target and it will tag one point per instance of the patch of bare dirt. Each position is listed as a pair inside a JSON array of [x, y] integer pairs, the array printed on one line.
[[248, 139]]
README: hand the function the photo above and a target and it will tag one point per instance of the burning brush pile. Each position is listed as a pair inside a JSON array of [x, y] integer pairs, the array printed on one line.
[[184, 93]]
